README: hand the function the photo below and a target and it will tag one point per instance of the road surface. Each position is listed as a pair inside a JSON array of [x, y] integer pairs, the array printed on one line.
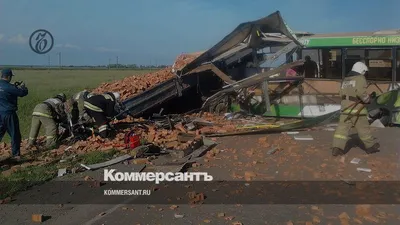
[[239, 159]]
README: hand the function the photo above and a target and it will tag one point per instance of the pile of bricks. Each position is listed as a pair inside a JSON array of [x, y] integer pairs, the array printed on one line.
[[161, 137], [131, 86], [184, 59], [134, 85]]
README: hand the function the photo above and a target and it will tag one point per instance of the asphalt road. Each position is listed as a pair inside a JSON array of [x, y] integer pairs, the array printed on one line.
[[238, 159]]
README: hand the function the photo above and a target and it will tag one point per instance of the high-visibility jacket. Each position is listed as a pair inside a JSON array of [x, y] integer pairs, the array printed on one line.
[[79, 98], [354, 89], [51, 108], [104, 103]]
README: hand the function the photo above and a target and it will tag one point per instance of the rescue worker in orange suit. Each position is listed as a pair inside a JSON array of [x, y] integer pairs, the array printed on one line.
[[50, 113], [101, 108], [353, 112]]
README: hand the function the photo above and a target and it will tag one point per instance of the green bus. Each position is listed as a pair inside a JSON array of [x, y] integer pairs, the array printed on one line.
[[336, 53]]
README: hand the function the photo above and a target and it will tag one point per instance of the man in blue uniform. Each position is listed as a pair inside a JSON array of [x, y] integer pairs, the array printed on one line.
[[9, 121]]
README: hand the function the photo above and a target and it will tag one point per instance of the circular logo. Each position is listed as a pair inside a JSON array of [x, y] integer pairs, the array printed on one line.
[[41, 41]]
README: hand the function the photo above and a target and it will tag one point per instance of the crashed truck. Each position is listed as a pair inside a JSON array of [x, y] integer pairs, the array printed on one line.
[[228, 78]]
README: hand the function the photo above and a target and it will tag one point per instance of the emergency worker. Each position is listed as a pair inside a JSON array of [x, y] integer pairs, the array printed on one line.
[[101, 108], [79, 113], [9, 121], [353, 112], [50, 113]]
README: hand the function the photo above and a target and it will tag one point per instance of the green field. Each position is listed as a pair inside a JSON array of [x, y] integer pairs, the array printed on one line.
[[43, 84]]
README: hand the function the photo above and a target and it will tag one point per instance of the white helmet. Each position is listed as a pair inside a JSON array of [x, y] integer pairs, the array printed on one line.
[[360, 68], [116, 95]]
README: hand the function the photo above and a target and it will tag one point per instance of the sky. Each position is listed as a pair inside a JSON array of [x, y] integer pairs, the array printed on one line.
[[94, 32]]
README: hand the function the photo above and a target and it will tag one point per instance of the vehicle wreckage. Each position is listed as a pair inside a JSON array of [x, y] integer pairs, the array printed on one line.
[[210, 81], [228, 80]]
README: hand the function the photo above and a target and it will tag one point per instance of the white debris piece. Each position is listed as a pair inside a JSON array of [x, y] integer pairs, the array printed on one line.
[[364, 170], [290, 132], [303, 138], [377, 123], [355, 161], [62, 172], [178, 216], [332, 125], [329, 129]]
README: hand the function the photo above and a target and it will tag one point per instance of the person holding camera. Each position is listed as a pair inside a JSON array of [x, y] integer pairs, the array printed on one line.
[[9, 121]]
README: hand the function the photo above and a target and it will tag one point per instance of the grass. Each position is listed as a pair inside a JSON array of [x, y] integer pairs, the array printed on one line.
[[27, 177], [43, 84], [97, 157]]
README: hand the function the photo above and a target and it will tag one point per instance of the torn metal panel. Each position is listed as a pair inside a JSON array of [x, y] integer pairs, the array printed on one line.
[[251, 31], [254, 80], [154, 96]]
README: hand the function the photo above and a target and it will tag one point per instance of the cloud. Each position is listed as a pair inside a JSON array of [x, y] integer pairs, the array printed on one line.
[[104, 49], [1, 36], [67, 46], [19, 39]]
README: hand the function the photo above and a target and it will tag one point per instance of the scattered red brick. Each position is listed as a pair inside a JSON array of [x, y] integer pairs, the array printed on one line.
[[249, 175], [195, 198], [38, 218]]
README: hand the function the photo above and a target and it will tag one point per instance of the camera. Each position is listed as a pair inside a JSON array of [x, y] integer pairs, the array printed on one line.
[[19, 84]]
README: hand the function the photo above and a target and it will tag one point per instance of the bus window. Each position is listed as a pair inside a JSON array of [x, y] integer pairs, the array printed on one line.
[[379, 53], [353, 56], [356, 54], [310, 69], [379, 63], [331, 67]]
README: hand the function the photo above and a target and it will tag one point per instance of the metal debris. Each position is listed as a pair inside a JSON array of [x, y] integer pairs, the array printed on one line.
[[303, 138], [272, 150], [377, 123], [290, 132], [355, 161], [349, 182], [62, 172], [364, 170]]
